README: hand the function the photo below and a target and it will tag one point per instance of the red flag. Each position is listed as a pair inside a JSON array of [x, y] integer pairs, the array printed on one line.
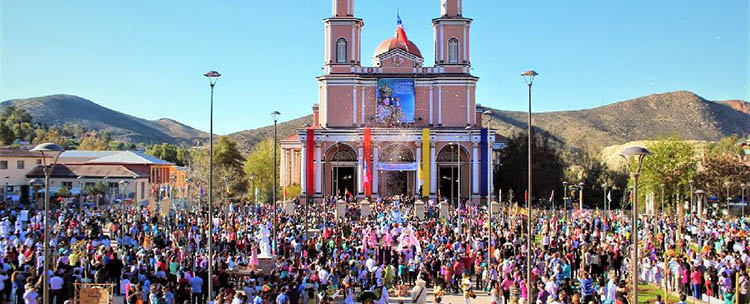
[[400, 32], [348, 194], [526, 195], [367, 150]]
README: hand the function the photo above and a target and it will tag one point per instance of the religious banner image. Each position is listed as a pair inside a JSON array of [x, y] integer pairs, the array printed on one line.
[[395, 101]]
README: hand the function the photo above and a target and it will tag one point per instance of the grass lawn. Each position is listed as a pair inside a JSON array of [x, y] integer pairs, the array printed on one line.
[[647, 294]]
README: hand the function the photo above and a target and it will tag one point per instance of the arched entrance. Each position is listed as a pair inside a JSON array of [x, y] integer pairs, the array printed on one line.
[[396, 176], [342, 164], [450, 178]]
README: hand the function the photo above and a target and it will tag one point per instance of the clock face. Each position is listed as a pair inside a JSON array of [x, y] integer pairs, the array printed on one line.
[[398, 61]]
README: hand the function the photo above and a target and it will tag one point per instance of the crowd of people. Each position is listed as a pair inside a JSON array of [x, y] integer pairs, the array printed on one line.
[[158, 255]]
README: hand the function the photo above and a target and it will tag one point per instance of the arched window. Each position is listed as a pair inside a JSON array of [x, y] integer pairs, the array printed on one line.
[[341, 50], [453, 51]]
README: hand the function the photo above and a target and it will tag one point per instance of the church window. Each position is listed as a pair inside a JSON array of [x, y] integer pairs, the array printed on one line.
[[341, 50], [453, 51]]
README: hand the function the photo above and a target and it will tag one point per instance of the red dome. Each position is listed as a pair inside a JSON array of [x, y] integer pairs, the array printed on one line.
[[392, 43]]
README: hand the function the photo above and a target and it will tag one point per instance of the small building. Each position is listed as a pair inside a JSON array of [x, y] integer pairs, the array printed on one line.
[[14, 165]]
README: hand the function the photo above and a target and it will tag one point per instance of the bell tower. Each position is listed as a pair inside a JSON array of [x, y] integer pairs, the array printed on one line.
[[342, 37], [451, 35]]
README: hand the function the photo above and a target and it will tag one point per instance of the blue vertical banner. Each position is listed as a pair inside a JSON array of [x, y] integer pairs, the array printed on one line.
[[483, 148]]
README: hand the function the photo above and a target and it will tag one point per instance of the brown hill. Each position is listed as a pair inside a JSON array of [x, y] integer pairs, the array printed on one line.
[[249, 138], [65, 110], [681, 113], [739, 105]]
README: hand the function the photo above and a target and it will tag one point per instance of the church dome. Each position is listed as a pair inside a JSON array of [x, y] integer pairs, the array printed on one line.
[[392, 43]]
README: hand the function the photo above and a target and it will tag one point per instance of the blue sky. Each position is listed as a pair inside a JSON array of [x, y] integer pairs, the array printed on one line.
[[146, 58]]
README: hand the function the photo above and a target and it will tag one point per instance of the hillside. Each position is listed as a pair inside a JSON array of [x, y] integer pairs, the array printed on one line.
[[62, 110], [249, 138], [681, 113]]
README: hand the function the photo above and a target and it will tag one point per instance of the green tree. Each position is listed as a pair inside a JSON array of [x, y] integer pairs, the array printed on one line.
[[548, 167], [727, 145], [228, 162], [672, 163], [259, 168], [593, 173], [94, 142], [718, 169]]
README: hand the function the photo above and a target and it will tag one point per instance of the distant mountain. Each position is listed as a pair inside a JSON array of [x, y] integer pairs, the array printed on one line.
[[739, 105], [681, 113], [249, 138], [64, 110]]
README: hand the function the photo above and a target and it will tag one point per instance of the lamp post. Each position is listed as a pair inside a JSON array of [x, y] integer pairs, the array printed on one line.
[[53, 150], [726, 184], [80, 191], [213, 77], [528, 76], [742, 186], [692, 206], [565, 195], [604, 199], [699, 196], [488, 113], [580, 196], [637, 153], [275, 115], [458, 183]]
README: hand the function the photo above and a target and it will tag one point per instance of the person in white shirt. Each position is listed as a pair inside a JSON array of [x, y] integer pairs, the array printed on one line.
[[55, 289], [30, 296]]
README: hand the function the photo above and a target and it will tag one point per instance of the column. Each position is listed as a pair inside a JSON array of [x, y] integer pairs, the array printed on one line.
[[417, 178], [475, 168], [303, 170], [491, 172], [375, 172], [360, 155], [433, 170], [282, 168], [318, 169]]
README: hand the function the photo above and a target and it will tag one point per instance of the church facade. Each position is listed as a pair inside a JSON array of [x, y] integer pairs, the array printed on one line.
[[396, 126]]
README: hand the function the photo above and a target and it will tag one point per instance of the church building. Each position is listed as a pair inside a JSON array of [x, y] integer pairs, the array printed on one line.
[[398, 126]]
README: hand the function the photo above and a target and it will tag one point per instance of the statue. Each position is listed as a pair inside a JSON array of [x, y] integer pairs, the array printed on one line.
[[265, 244]]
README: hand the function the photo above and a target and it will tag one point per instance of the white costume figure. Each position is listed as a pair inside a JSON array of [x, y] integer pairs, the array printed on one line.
[[265, 244], [419, 292]]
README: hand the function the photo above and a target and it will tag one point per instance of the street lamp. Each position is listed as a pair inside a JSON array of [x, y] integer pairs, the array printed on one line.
[[726, 184], [742, 186], [565, 195], [580, 196], [488, 113], [528, 77], [637, 153], [213, 77], [52, 150], [275, 115], [699, 194], [604, 199], [691, 196]]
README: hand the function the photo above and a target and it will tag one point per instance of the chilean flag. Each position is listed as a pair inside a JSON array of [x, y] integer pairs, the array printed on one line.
[[400, 32], [366, 178]]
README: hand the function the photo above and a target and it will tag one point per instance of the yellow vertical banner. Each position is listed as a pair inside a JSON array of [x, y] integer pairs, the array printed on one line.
[[424, 167]]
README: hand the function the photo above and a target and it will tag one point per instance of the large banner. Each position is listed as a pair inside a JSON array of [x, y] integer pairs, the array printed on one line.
[[397, 166], [395, 98]]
